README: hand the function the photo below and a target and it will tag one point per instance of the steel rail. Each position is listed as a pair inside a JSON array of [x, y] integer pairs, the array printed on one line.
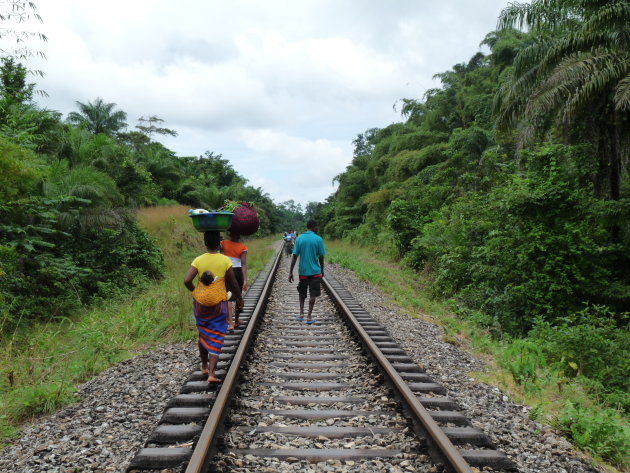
[[204, 450], [444, 448]]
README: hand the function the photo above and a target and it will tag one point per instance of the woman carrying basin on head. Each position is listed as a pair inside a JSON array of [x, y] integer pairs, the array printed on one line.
[[210, 303]]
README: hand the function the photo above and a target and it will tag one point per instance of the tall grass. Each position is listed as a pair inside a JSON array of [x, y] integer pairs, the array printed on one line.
[[402, 285], [181, 243], [40, 367]]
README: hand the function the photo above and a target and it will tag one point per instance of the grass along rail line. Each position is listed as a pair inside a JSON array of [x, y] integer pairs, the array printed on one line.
[[40, 368]]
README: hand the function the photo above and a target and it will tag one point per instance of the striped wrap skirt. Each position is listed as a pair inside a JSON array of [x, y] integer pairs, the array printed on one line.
[[212, 324]]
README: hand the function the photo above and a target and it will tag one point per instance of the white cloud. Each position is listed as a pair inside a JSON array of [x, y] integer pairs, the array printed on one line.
[[292, 150], [269, 85], [305, 167]]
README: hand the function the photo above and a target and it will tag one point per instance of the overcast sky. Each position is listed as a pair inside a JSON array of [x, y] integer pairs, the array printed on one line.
[[279, 88]]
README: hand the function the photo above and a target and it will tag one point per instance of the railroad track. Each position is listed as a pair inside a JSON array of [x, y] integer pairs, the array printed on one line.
[[338, 395]]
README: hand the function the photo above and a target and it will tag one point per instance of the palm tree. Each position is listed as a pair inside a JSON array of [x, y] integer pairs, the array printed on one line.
[[99, 117], [102, 200], [81, 148], [164, 168], [574, 75], [84, 182], [206, 196]]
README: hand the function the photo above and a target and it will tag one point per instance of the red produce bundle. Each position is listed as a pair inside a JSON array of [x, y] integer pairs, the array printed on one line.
[[245, 220]]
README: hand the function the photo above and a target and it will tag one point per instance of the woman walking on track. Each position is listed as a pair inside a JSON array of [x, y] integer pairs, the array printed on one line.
[[237, 252], [211, 317]]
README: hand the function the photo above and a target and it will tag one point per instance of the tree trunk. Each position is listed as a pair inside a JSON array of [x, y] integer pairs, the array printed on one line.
[[615, 158]]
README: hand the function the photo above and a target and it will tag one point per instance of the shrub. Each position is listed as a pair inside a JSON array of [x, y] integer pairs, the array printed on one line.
[[30, 401], [47, 269], [163, 201], [535, 247], [408, 163], [20, 170], [588, 343], [523, 359], [36, 277], [601, 432]]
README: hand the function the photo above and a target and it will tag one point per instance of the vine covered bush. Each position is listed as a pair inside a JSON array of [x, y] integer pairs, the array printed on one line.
[[48, 269]]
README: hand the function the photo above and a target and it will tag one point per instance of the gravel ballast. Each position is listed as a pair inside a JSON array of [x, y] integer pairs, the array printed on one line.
[[114, 415], [265, 381], [116, 411], [534, 447]]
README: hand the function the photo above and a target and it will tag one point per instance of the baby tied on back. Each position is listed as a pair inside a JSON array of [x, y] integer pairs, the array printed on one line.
[[210, 294], [215, 292]]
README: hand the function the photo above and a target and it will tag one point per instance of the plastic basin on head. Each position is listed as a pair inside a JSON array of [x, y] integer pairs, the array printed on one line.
[[212, 221]]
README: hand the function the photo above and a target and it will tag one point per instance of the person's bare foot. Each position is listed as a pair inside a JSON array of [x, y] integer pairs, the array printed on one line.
[[213, 379], [204, 368]]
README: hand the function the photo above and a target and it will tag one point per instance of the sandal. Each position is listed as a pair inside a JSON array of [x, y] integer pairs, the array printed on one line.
[[212, 379], [204, 372]]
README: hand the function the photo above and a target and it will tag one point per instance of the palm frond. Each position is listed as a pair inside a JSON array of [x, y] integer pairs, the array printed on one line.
[[578, 74], [607, 71], [573, 43], [83, 182], [511, 99], [531, 56], [612, 16], [526, 134], [99, 117], [92, 219], [547, 98], [540, 15], [622, 94]]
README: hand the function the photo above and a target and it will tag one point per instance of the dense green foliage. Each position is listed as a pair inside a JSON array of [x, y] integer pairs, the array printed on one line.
[[49, 268], [519, 234], [508, 187], [68, 234]]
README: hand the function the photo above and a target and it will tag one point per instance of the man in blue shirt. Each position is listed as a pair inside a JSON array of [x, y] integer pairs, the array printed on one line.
[[310, 248]]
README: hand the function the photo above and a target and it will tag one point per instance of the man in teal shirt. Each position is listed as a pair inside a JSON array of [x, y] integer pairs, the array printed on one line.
[[310, 248]]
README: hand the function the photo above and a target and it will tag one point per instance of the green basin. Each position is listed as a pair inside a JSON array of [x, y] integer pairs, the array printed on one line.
[[212, 221]]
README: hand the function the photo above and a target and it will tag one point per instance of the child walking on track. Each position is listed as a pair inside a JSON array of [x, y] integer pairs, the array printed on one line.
[[237, 252], [211, 319]]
